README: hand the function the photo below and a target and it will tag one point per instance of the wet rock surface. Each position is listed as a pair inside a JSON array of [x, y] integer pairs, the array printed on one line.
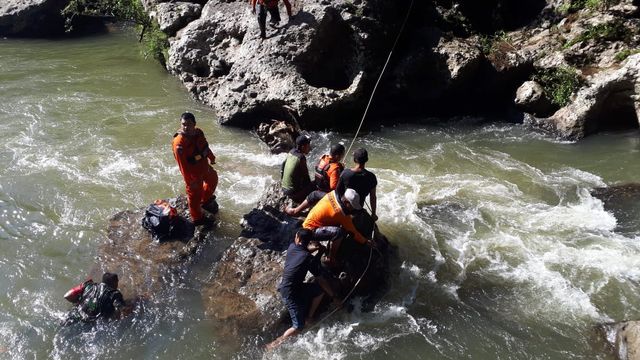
[[143, 265], [242, 296], [623, 339], [624, 202]]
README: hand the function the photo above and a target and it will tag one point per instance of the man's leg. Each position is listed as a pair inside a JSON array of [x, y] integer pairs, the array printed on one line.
[[287, 4], [297, 322], [332, 234], [262, 20], [194, 197], [309, 202], [210, 184], [275, 15]]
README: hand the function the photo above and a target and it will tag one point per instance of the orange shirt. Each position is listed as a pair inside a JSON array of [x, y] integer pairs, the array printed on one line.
[[191, 153], [328, 212], [333, 172]]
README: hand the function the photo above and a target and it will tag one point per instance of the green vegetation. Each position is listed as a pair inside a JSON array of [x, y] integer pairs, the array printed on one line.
[[156, 42], [611, 31], [558, 83], [622, 55], [571, 6], [490, 43]]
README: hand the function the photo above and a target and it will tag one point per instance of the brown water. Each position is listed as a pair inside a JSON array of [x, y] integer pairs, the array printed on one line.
[[505, 253]]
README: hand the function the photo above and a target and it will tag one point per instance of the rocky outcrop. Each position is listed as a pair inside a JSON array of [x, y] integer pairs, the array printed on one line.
[[173, 16], [142, 264], [243, 294], [624, 339], [610, 101], [531, 98], [31, 17]]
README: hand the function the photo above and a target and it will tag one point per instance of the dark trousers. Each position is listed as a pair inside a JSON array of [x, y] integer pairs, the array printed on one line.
[[262, 18]]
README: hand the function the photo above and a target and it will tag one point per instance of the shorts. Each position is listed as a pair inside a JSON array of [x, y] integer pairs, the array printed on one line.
[[315, 196]]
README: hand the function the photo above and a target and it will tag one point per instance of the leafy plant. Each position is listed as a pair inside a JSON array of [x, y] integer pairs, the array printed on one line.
[[558, 83], [571, 6], [489, 43], [156, 43], [622, 55]]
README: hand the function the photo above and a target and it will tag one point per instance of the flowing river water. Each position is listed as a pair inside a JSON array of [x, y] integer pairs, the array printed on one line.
[[504, 253]]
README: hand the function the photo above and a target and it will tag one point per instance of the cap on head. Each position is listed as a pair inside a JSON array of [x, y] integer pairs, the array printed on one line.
[[353, 198], [110, 279], [302, 140], [305, 235], [360, 156], [188, 116]]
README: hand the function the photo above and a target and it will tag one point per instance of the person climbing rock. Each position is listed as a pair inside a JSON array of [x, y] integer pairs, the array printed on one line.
[[327, 175], [94, 300], [361, 180], [270, 6], [195, 160], [296, 183], [330, 220], [302, 299]]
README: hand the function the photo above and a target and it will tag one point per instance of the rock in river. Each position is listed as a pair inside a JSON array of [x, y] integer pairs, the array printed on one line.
[[243, 296]]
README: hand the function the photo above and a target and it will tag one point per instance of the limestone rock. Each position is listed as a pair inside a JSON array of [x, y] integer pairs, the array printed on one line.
[[173, 16], [243, 296], [31, 17], [280, 136], [144, 265], [624, 339], [610, 101], [530, 97]]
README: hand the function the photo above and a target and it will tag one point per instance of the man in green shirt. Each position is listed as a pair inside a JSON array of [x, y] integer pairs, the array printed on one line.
[[296, 183]]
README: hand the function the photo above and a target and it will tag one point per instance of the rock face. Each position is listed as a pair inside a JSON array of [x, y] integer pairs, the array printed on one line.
[[173, 16], [142, 264], [624, 339], [243, 294], [310, 69], [31, 17], [530, 97], [610, 101]]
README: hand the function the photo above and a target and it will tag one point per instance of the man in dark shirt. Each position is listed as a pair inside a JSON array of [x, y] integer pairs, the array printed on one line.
[[361, 180], [94, 300], [296, 183], [294, 291]]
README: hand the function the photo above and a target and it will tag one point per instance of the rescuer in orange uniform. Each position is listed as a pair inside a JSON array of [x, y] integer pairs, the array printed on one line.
[[330, 220], [191, 150]]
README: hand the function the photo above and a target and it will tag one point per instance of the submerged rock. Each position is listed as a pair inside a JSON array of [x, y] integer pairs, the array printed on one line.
[[624, 202], [243, 296], [142, 264], [624, 339]]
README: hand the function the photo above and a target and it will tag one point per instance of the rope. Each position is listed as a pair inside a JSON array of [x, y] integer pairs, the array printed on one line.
[[384, 68]]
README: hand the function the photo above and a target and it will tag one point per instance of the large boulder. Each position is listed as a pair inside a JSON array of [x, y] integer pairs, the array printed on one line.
[[143, 265], [173, 16], [312, 69], [610, 101], [531, 98], [243, 296], [31, 17]]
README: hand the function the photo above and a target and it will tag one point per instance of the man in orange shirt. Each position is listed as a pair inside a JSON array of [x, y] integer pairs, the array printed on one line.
[[330, 220], [191, 150], [327, 175]]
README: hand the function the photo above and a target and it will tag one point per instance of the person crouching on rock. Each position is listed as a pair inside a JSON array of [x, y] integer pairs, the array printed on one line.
[[327, 174], [195, 160], [296, 183], [270, 6], [302, 299], [94, 300], [330, 220]]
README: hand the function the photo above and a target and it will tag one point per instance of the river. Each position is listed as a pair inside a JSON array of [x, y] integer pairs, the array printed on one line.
[[504, 252]]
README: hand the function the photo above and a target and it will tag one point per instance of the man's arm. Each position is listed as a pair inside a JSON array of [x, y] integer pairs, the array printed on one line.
[[373, 199]]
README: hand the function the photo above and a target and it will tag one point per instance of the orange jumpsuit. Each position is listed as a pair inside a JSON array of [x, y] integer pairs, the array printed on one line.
[[328, 212], [201, 180]]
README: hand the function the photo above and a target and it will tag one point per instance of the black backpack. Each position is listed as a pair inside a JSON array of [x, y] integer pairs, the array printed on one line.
[[160, 219]]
